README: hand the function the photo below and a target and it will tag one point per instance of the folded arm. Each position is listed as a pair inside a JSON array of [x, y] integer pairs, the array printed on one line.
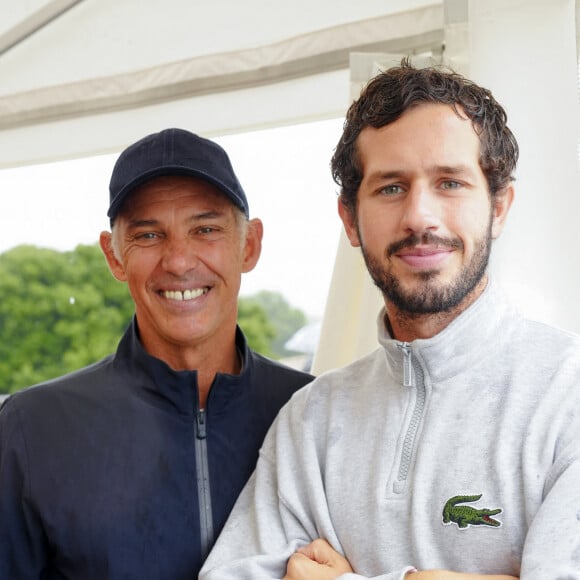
[[319, 561]]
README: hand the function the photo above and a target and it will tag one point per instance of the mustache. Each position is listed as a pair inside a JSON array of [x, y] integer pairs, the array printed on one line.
[[427, 238]]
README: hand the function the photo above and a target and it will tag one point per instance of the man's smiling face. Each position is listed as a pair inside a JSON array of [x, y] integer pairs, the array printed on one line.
[[425, 218], [181, 246]]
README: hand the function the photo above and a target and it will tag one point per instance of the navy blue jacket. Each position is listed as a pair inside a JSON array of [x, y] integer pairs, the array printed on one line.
[[113, 472]]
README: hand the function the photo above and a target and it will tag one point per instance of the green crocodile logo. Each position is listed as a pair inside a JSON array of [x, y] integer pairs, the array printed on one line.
[[464, 515]]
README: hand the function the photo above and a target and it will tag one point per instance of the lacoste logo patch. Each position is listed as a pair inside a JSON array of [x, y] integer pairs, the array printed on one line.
[[465, 515]]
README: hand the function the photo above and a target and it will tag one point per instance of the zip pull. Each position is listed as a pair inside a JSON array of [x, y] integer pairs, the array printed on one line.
[[200, 420], [407, 364]]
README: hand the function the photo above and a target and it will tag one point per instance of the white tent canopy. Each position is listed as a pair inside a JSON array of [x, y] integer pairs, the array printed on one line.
[[90, 76], [84, 77]]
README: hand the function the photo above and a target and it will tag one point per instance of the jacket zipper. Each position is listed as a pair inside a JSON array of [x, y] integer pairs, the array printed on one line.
[[203, 484], [412, 377]]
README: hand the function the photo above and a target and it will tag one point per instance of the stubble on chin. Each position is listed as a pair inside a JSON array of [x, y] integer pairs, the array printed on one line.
[[427, 294]]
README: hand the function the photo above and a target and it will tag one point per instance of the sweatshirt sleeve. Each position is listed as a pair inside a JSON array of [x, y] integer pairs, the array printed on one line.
[[552, 546], [22, 540], [283, 506], [264, 528]]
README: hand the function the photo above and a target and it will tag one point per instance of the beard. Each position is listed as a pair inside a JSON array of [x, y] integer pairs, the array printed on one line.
[[428, 296]]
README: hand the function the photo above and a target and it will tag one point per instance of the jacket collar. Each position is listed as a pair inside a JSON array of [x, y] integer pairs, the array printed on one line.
[[156, 381], [477, 332]]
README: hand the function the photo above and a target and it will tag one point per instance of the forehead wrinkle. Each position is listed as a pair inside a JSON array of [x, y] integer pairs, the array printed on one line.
[[149, 222]]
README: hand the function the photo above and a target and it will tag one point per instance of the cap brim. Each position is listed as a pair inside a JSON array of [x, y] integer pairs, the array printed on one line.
[[167, 170]]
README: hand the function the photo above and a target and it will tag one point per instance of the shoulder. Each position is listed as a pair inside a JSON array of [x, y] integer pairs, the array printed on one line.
[[338, 389], [544, 342], [46, 415], [523, 332], [359, 372], [78, 384], [270, 370]]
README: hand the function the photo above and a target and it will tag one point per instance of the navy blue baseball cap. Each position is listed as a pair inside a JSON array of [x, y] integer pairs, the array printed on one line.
[[173, 152]]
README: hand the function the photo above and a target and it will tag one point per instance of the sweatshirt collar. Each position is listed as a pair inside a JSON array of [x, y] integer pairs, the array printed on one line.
[[477, 332]]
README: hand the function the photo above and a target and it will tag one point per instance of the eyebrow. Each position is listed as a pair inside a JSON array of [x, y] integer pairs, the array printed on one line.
[[379, 176], [384, 175], [144, 223], [453, 169], [134, 224]]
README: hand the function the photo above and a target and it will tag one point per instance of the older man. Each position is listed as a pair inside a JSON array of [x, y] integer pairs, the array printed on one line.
[[128, 468]]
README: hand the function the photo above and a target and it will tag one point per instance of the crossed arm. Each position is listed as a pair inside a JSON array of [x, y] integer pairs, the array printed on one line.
[[319, 561]]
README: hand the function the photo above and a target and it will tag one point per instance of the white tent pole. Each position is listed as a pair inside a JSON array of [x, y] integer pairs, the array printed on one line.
[[526, 54]]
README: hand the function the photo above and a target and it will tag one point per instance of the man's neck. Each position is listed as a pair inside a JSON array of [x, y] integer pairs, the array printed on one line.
[[406, 326], [209, 364], [207, 358]]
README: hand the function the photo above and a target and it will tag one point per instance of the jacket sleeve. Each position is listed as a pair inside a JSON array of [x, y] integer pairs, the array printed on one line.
[[22, 540]]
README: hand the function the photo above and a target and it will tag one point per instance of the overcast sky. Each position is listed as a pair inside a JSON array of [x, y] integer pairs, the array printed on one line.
[[284, 171]]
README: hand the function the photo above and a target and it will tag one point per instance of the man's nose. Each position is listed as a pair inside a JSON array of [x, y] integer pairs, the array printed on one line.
[[420, 210], [180, 256]]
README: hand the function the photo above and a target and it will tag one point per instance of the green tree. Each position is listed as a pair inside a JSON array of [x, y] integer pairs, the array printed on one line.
[[258, 329], [59, 311], [285, 319]]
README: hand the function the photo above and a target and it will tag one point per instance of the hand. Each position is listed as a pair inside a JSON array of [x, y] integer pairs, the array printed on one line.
[[317, 561], [447, 575]]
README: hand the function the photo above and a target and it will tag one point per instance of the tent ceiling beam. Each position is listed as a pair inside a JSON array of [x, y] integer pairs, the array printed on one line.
[[34, 22]]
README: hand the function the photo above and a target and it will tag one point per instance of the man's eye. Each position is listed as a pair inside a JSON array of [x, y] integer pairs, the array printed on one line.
[[392, 189], [146, 237], [211, 231], [451, 184]]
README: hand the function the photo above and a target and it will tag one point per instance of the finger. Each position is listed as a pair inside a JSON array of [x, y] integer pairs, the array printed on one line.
[[299, 567], [320, 551]]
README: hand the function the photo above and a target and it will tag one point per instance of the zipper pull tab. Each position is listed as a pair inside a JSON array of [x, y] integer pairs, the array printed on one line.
[[407, 365], [200, 419]]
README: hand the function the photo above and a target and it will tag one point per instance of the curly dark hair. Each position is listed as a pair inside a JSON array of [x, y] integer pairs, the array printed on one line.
[[388, 95]]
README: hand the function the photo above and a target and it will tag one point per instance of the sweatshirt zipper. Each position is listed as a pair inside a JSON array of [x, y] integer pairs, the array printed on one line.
[[203, 486], [412, 377]]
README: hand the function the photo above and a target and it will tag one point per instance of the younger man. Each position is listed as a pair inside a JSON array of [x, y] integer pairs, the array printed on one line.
[[455, 446]]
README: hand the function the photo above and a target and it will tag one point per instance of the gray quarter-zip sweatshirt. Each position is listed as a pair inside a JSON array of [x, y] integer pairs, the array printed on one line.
[[460, 452]]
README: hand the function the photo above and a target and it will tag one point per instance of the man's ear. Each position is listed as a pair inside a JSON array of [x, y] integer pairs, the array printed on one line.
[[501, 207], [349, 222], [253, 244], [116, 267]]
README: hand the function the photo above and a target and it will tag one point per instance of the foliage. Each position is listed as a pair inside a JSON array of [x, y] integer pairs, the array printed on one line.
[[285, 319], [59, 311], [258, 329]]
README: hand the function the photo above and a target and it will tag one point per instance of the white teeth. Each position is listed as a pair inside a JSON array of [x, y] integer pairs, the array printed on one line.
[[185, 295]]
